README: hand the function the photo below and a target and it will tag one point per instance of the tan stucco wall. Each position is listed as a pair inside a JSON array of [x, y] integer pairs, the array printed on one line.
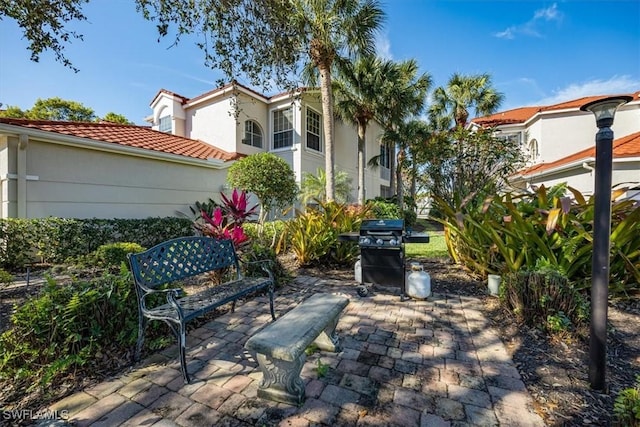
[[82, 183]]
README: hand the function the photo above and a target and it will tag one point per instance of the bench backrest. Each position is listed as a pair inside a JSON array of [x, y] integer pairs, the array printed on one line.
[[181, 258]]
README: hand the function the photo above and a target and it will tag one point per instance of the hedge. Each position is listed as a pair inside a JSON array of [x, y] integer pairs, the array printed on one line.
[[54, 240]]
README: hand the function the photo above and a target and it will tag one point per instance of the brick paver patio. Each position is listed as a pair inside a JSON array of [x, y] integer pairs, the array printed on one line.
[[404, 363]]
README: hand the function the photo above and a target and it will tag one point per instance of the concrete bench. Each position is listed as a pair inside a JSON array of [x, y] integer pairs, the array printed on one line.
[[280, 346]]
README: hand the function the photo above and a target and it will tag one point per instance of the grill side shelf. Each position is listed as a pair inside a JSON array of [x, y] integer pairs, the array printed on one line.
[[349, 237], [416, 238]]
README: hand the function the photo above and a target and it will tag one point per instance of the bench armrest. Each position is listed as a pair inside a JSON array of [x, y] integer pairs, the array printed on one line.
[[172, 295]]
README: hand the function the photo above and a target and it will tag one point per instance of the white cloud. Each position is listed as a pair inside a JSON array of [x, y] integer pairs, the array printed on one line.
[[383, 46], [532, 27], [613, 86]]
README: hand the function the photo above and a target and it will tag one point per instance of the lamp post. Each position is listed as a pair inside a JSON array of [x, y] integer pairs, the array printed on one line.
[[604, 110]]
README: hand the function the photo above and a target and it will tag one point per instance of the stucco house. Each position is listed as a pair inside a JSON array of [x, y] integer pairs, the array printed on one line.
[[106, 170], [559, 140]]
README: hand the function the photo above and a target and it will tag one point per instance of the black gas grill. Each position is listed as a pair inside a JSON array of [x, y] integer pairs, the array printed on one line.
[[381, 243], [382, 252]]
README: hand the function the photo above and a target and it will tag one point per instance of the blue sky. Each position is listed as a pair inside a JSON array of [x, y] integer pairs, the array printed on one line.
[[537, 52]]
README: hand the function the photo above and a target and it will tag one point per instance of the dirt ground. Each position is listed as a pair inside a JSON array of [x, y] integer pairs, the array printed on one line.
[[554, 369]]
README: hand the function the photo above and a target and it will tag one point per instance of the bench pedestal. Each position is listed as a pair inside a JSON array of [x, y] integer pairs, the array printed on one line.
[[280, 347], [281, 380]]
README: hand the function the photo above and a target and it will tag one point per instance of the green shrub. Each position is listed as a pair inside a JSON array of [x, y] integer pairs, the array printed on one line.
[[54, 240], [68, 326], [544, 298], [383, 208], [259, 252], [6, 278], [313, 234], [627, 406], [524, 231], [114, 254], [268, 234]]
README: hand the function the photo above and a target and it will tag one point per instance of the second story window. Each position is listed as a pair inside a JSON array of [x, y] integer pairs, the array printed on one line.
[[283, 128], [533, 150], [164, 124], [313, 130], [252, 134]]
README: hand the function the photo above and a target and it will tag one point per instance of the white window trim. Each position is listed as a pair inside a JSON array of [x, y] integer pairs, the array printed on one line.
[[294, 120], [306, 131], [255, 123]]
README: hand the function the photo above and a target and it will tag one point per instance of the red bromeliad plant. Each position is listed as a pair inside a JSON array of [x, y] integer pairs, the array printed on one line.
[[226, 221]]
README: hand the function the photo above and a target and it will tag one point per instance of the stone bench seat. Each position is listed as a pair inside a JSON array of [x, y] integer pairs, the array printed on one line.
[[280, 346]]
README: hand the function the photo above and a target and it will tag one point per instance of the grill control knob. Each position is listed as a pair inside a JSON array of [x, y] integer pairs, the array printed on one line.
[[393, 242], [380, 242], [365, 241]]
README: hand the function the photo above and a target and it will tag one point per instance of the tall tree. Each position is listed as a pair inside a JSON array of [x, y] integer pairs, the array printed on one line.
[[357, 91], [405, 95], [53, 109], [453, 104], [463, 95], [43, 24], [112, 117], [330, 30]]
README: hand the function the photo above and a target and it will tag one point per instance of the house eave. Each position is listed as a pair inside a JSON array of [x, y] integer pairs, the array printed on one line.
[[110, 147]]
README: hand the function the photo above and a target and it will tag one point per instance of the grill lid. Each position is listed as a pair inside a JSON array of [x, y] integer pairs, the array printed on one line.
[[376, 225]]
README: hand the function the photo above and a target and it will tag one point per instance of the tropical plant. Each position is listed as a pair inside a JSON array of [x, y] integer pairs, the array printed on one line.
[[404, 97], [452, 104], [627, 406], [543, 229], [227, 220], [313, 234], [314, 187], [267, 176]]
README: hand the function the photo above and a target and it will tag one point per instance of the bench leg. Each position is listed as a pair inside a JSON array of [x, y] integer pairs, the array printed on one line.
[[142, 326], [281, 380], [182, 342], [328, 340]]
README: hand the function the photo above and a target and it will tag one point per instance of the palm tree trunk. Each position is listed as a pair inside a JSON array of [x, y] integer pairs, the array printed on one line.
[[329, 134], [362, 129], [400, 189]]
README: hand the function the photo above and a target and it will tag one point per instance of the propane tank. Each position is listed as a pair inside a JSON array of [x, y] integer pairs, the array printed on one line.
[[358, 271], [418, 282]]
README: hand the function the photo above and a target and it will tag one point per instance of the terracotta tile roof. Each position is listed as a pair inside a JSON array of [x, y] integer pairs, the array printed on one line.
[[130, 136], [521, 115], [518, 115], [628, 146]]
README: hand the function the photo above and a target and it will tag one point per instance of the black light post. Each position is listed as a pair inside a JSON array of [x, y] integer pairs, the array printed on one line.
[[604, 110]]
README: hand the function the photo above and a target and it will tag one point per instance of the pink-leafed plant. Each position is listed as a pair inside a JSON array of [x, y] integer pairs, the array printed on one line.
[[226, 221]]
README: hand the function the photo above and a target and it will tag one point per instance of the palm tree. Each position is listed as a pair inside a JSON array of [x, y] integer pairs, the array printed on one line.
[[314, 186], [357, 91], [404, 97], [452, 104], [333, 28]]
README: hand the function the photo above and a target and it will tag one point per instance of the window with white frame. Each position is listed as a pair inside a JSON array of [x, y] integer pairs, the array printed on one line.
[[313, 130], [534, 152], [252, 134], [164, 124], [283, 128], [385, 156]]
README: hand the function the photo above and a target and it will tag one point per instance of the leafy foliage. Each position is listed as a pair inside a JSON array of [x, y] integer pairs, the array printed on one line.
[[627, 406], [54, 240], [62, 110], [267, 176], [313, 234], [544, 297], [114, 254], [544, 229], [6, 278], [314, 187], [227, 220], [66, 327], [43, 24]]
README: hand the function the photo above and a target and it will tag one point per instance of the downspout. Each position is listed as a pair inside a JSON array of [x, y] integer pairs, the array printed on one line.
[[21, 171]]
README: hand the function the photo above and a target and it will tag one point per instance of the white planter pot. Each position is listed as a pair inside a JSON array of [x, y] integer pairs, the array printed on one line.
[[493, 282]]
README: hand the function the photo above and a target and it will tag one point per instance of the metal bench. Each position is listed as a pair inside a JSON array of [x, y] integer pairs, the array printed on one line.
[[280, 346], [182, 258]]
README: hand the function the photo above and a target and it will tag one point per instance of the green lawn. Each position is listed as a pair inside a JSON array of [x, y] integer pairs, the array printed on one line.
[[435, 248]]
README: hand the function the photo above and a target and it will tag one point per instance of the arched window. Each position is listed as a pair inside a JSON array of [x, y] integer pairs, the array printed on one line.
[[252, 134], [534, 153]]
